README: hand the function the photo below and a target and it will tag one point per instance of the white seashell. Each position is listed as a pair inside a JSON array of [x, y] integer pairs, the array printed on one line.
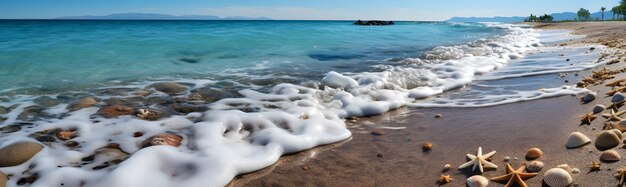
[[618, 97], [610, 156], [589, 97], [557, 177], [446, 167], [477, 181], [506, 159], [534, 166], [565, 167], [598, 108], [577, 139], [575, 171], [607, 139]]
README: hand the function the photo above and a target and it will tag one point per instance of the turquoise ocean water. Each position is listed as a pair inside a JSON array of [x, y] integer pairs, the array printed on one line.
[[61, 55]]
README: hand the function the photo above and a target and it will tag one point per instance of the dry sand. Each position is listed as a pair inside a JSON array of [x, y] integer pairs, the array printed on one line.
[[395, 158]]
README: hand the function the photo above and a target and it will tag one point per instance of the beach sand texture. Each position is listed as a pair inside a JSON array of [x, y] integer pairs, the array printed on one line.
[[386, 157]]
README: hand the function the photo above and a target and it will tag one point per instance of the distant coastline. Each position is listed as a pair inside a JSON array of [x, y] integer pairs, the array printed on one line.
[[511, 19], [152, 16]]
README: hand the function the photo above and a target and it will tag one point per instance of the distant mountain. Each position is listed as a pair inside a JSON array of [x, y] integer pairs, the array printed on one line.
[[557, 17], [150, 16]]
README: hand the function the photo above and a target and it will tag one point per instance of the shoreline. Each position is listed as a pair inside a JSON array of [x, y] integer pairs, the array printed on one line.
[[395, 158]]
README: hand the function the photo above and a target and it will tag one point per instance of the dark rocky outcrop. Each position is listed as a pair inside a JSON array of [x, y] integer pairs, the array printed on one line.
[[374, 22]]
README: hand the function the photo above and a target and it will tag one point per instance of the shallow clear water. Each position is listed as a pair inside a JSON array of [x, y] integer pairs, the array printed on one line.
[[66, 54]]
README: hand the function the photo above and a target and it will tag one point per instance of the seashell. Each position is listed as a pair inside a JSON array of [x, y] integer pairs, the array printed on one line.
[[618, 133], [477, 181], [446, 167], [533, 153], [506, 158], [598, 108], [534, 166], [565, 167], [577, 139], [607, 139], [427, 147], [588, 98], [163, 139], [575, 171], [610, 156], [557, 177], [618, 97]]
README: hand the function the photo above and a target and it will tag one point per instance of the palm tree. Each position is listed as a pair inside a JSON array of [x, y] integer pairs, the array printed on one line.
[[603, 9], [615, 11]]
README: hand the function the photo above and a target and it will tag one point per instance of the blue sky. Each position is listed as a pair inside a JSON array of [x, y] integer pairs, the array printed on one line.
[[299, 9]]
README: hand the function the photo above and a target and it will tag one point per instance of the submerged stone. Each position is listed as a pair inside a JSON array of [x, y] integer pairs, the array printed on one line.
[[170, 88], [18, 153], [83, 103]]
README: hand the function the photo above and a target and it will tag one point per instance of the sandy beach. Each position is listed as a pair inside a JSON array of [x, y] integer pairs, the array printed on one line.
[[386, 157]]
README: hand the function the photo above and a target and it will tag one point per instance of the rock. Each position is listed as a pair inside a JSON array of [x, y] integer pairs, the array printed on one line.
[[427, 147], [143, 93], [107, 153], [377, 132], [148, 114], [126, 101], [438, 116], [115, 111], [4, 110], [83, 103], [66, 135], [46, 101], [592, 48], [163, 139], [190, 59], [18, 153], [373, 22], [186, 108], [598, 108], [10, 128], [618, 97], [30, 113], [588, 97], [3, 179], [170, 88]]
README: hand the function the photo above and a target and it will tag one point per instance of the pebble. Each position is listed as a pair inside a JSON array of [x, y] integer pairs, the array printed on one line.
[[379, 155], [377, 132], [427, 147], [66, 135], [598, 108], [148, 114], [163, 139], [46, 101], [170, 88], [18, 153], [115, 111], [588, 97], [506, 159], [438, 116], [3, 179], [83, 103]]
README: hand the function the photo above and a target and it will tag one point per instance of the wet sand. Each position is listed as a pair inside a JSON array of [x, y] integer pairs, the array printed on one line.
[[395, 158]]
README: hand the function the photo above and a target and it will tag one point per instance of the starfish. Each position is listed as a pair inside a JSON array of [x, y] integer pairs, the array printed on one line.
[[621, 174], [616, 106], [595, 166], [478, 160], [587, 118], [613, 116], [608, 126], [616, 83], [445, 179], [514, 176]]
